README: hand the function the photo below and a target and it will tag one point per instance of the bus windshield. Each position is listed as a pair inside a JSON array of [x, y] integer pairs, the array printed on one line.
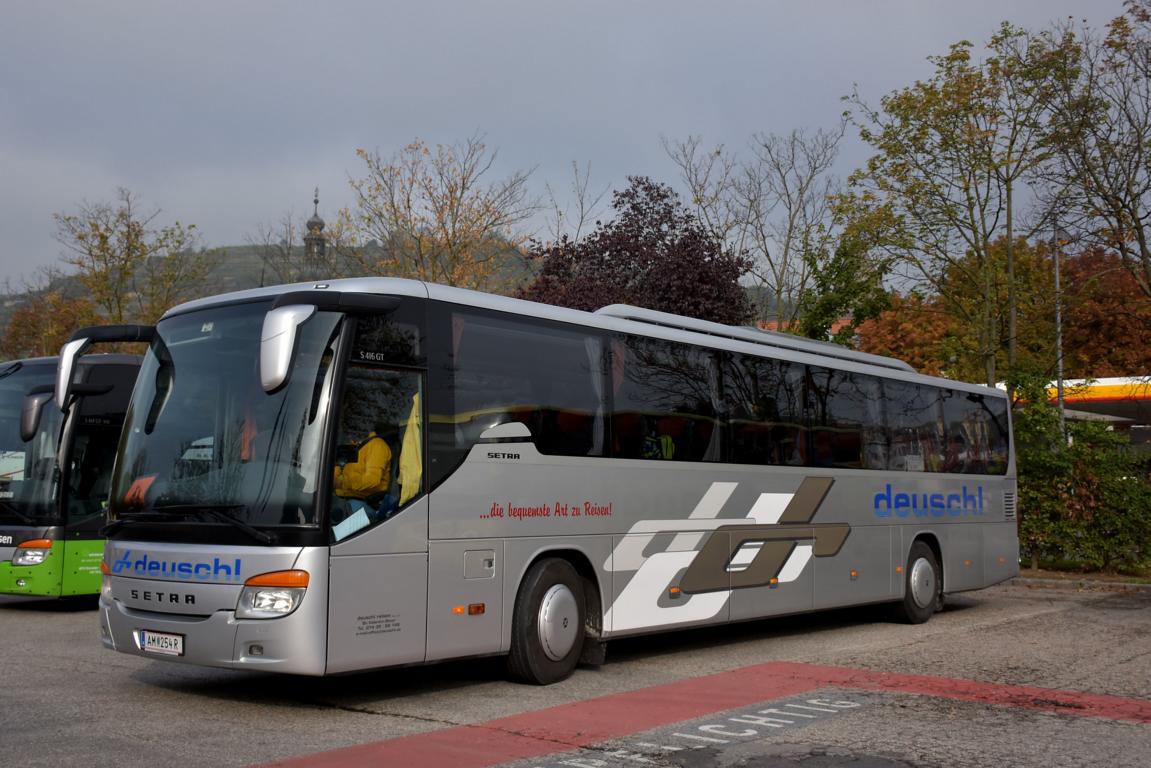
[[29, 476], [203, 442]]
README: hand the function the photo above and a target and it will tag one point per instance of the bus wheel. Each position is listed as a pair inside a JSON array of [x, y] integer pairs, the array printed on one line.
[[548, 624], [923, 594]]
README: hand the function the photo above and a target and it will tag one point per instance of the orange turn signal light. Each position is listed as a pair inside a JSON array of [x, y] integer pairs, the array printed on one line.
[[899, 569], [104, 569], [292, 578], [472, 609], [35, 544]]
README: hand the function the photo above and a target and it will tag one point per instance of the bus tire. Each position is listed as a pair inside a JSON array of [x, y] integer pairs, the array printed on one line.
[[548, 624], [923, 586]]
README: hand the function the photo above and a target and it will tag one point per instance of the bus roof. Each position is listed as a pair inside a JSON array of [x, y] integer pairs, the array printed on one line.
[[616, 317]]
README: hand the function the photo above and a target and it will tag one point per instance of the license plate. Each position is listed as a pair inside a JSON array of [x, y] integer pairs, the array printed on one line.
[[161, 642]]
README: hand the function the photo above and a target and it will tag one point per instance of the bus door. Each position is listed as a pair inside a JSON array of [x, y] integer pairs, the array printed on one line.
[[88, 457], [378, 511]]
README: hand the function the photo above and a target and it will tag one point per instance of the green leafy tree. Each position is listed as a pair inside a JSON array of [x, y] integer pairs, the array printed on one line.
[[950, 153], [1044, 471], [1088, 502], [848, 285], [847, 289]]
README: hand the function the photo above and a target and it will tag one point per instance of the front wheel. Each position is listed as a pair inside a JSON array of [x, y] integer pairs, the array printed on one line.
[[923, 592], [548, 624]]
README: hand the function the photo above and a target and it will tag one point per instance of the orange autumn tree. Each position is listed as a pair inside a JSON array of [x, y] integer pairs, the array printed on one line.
[[132, 268], [913, 329], [43, 323]]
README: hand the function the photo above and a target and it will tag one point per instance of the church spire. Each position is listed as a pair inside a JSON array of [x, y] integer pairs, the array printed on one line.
[[315, 243]]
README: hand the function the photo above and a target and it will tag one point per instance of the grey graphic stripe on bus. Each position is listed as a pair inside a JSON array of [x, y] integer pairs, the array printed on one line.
[[710, 570]]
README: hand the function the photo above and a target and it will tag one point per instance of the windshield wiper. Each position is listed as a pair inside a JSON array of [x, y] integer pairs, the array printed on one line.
[[220, 512], [13, 511], [125, 518]]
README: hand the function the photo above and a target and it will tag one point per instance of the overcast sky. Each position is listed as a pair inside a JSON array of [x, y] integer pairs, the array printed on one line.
[[227, 114]]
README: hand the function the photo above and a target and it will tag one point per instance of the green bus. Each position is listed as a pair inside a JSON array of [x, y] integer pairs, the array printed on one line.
[[56, 470]]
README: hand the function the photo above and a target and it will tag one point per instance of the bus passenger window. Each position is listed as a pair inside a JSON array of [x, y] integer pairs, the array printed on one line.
[[764, 402], [495, 369], [664, 401], [914, 419]]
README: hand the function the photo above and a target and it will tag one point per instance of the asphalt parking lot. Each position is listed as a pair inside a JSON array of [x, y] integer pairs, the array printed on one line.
[[1012, 675]]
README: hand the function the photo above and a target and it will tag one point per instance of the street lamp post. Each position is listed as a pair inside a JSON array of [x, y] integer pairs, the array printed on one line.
[[1056, 243]]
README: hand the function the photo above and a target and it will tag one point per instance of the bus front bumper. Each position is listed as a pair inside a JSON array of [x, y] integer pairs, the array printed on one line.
[[294, 644]]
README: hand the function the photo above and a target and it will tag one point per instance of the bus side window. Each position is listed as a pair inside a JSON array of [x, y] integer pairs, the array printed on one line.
[[764, 402], [664, 401], [379, 438], [494, 369]]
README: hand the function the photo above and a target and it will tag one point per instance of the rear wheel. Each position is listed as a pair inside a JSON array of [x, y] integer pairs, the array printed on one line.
[[923, 593], [548, 623]]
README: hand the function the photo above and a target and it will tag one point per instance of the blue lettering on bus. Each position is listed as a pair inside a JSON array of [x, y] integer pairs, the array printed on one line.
[[891, 501], [216, 570]]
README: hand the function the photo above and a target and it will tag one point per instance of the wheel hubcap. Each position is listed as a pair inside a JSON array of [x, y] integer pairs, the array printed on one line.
[[558, 622], [922, 583]]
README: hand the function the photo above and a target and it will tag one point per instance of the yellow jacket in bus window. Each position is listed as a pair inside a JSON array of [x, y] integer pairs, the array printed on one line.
[[369, 474]]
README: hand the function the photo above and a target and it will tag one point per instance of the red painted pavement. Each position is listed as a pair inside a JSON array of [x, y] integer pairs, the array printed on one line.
[[1049, 699], [584, 723]]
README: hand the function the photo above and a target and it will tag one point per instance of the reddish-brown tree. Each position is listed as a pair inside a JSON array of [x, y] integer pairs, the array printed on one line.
[[654, 254], [1107, 320]]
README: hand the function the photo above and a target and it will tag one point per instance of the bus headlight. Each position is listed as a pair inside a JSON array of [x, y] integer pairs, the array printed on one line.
[[32, 552], [272, 595]]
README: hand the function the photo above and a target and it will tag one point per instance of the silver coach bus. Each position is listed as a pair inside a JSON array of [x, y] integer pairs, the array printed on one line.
[[319, 479]]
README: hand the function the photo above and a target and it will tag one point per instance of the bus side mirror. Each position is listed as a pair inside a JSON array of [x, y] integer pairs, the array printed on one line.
[[79, 343], [278, 343], [33, 406], [66, 369], [291, 310]]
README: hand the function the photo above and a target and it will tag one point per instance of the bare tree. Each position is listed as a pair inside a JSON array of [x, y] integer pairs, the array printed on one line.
[[711, 177], [788, 191], [280, 249], [569, 220], [773, 205], [1099, 175]]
